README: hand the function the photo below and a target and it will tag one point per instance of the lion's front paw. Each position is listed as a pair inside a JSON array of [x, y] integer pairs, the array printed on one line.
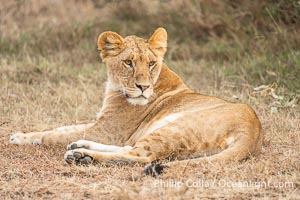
[[77, 157], [21, 138], [17, 138], [78, 144]]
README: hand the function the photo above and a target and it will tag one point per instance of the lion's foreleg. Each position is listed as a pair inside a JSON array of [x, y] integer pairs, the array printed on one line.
[[86, 156], [63, 135], [86, 144]]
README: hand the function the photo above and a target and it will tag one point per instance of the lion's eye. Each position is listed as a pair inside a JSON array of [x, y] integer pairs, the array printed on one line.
[[128, 63], [151, 64]]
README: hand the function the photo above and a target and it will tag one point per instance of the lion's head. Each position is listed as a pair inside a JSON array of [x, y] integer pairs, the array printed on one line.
[[133, 63]]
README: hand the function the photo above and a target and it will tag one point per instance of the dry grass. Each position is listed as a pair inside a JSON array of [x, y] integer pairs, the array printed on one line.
[[50, 75]]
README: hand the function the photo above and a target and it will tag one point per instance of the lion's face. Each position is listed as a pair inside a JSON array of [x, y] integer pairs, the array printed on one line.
[[133, 63]]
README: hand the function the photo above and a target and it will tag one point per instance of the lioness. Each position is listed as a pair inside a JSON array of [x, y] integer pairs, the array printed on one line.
[[149, 114]]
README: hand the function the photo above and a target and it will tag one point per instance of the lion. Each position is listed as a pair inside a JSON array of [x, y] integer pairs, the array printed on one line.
[[149, 115]]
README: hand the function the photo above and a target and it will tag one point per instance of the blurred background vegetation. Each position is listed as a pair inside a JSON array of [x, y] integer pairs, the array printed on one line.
[[225, 42]]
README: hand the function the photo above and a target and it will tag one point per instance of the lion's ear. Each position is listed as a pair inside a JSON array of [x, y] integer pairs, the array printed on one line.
[[158, 41], [110, 44]]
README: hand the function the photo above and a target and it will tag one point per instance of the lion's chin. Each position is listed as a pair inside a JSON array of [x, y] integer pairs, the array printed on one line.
[[141, 100]]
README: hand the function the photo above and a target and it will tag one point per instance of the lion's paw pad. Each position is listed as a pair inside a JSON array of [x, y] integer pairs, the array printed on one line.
[[77, 158], [72, 146]]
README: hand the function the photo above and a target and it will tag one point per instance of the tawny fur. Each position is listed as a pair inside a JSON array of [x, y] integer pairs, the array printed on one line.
[[149, 114]]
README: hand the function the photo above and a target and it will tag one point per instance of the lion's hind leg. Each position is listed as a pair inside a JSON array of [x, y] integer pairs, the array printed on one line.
[[241, 149]]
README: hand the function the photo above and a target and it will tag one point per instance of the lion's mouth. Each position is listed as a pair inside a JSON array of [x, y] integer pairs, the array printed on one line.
[[136, 97]]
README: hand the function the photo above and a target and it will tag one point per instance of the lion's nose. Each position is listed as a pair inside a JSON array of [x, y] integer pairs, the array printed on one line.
[[142, 87]]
